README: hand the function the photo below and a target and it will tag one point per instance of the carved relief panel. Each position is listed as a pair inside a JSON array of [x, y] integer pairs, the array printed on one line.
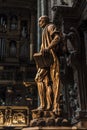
[[14, 116]]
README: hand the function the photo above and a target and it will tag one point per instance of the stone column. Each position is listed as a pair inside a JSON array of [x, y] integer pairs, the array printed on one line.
[[85, 39], [83, 71], [38, 28], [83, 75], [43, 7], [32, 37]]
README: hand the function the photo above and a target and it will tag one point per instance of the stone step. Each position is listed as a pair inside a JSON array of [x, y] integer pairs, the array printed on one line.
[[51, 128]]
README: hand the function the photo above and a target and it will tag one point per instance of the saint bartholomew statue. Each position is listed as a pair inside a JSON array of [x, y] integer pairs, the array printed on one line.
[[47, 78]]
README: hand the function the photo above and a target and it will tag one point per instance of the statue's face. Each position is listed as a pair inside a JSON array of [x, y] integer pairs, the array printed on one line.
[[42, 22]]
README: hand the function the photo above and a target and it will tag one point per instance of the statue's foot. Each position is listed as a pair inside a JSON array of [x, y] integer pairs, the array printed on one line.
[[40, 108], [48, 108], [56, 111]]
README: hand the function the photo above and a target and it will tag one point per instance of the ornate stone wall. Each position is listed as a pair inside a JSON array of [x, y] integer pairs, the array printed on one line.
[[77, 19]]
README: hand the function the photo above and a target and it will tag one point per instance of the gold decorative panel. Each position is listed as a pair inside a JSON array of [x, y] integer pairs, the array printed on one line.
[[14, 116]]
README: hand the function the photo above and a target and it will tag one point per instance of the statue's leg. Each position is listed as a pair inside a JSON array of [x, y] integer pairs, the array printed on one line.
[[48, 92], [56, 91], [49, 97], [41, 92], [41, 87]]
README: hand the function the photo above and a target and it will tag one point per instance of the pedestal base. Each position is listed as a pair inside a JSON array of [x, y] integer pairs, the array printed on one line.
[[42, 118], [51, 128]]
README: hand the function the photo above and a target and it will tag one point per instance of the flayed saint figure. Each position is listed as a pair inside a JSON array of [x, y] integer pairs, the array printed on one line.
[[48, 77]]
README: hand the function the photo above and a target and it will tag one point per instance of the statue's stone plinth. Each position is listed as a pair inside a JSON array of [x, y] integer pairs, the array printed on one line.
[[40, 113], [47, 118]]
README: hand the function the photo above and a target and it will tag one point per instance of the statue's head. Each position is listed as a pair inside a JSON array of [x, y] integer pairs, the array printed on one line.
[[43, 21]]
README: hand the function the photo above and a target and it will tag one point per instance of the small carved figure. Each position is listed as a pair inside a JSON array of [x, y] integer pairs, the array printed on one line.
[[1, 117], [47, 78], [8, 116]]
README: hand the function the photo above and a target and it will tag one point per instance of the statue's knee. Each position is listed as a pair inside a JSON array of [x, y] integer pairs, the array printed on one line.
[[37, 78]]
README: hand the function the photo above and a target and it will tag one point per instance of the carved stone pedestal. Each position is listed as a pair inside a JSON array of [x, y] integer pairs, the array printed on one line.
[[47, 118]]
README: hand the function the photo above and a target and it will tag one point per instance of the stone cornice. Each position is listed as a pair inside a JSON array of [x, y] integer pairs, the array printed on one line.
[[27, 4], [66, 11], [73, 12]]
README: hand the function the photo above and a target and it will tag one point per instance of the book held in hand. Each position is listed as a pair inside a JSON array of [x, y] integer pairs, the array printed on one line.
[[43, 61]]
